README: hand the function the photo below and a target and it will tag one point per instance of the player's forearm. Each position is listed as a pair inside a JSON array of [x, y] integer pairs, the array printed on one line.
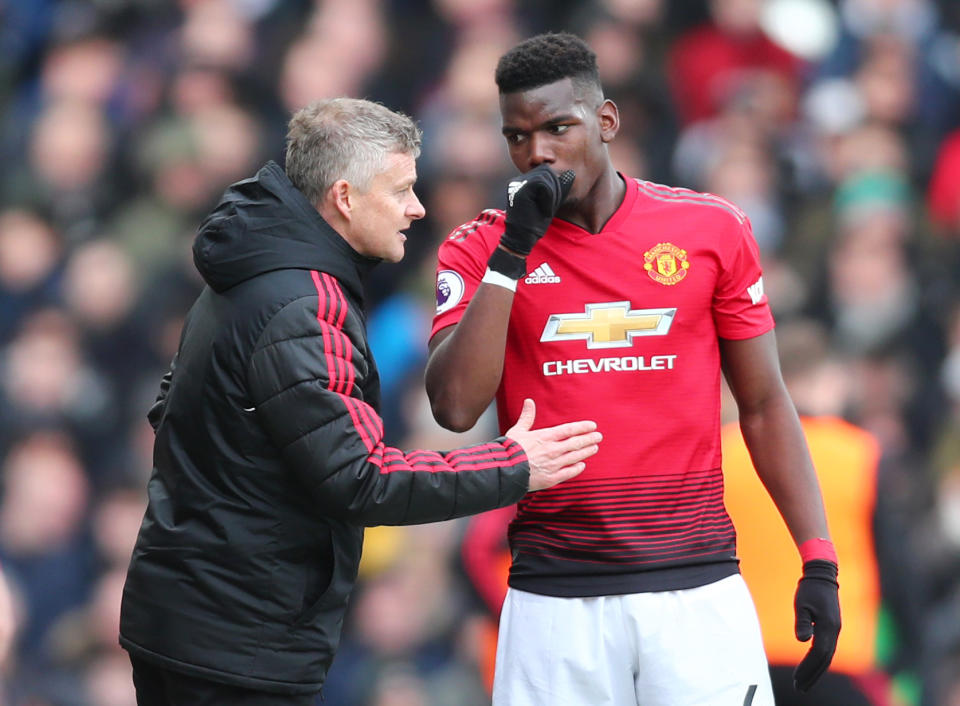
[[780, 455], [466, 361]]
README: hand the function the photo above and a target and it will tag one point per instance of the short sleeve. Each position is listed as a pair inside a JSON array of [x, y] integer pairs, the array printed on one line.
[[461, 263], [740, 306]]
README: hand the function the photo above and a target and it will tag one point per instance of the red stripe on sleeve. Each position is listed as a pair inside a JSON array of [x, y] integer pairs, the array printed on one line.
[[376, 456], [351, 375], [343, 348], [337, 336], [371, 418], [324, 327], [351, 405], [479, 458], [331, 313], [335, 287]]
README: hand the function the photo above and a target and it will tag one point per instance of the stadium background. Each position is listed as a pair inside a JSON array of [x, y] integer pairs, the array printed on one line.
[[834, 125]]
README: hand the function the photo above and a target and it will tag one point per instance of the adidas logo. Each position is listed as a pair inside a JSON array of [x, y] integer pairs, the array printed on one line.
[[542, 275], [512, 188]]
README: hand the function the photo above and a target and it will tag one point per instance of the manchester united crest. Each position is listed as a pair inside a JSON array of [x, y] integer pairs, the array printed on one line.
[[666, 263]]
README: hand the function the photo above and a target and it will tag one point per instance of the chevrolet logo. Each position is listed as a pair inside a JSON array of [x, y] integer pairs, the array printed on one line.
[[608, 325]]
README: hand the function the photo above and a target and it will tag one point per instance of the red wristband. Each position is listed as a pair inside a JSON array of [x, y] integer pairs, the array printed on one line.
[[818, 549]]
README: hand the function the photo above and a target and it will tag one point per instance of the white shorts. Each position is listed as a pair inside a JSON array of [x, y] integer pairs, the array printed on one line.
[[696, 647]]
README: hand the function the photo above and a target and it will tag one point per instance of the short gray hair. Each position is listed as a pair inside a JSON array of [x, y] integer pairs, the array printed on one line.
[[344, 138]]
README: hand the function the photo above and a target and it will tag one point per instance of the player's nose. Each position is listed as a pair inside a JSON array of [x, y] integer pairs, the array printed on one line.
[[540, 151]]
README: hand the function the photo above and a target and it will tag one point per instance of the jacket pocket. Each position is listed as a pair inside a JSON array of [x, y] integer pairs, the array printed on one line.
[[341, 559], [318, 567]]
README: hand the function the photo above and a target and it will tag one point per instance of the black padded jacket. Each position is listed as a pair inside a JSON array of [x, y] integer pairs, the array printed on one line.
[[269, 456]]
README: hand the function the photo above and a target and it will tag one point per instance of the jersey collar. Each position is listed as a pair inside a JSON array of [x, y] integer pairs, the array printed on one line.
[[613, 223]]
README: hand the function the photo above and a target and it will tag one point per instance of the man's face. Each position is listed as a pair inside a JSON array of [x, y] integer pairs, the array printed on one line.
[[559, 126], [386, 208]]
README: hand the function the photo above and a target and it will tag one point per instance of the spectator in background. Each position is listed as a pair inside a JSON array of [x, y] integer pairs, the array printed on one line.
[[863, 525], [851, 154], [630, 49], [46, 379], [939, 534], [405, 627], [904, 62], [156, 226], [348, 39], [100, 288], [486, 557], [943, 192], [46, 552], [69, 155], [31, 259], [750, 146], [709, 64]]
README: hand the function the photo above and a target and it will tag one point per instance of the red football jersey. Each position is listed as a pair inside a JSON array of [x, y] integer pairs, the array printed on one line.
[[622, 327]]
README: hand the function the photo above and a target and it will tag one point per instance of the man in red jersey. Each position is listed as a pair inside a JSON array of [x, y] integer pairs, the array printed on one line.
[[624, 585]]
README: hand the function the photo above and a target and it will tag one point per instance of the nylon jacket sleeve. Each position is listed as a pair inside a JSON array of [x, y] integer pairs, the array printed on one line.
[[156, 411], [304, 379]]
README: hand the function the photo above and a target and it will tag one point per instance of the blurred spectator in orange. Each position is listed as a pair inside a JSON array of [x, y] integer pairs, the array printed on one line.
[[864, 530]]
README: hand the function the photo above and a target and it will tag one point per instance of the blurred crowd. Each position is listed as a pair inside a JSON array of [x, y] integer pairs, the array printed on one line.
[[834, 125]]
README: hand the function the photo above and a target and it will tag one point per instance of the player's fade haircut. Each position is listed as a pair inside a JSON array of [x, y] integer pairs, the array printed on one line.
[[547, 58], [345, 138]]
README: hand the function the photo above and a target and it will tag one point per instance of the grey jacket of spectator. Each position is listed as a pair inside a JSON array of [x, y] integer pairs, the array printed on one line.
[[269, 457]]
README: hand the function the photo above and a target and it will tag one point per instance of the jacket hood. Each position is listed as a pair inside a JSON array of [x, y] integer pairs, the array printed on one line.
[[265, 223]]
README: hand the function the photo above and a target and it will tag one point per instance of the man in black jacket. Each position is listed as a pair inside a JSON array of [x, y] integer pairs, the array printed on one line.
[[269, 457]]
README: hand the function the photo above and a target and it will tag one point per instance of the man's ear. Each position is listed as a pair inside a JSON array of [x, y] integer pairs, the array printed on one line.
[[340, 197], [609, 116]]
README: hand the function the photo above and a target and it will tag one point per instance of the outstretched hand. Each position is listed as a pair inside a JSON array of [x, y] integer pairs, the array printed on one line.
[[555, 453]]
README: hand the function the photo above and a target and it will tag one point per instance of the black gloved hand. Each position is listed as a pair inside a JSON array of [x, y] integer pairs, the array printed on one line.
[[817, 608], [532, 201]]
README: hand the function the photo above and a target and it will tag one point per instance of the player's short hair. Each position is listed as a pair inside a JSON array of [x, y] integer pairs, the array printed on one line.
[[345, 138], [547, 58]]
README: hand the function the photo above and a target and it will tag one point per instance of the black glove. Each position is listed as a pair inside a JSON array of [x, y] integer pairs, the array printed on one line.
[[817, 608], [532, 200]]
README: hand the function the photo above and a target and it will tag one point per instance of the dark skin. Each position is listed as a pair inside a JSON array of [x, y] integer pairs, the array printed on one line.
[[567, 126]]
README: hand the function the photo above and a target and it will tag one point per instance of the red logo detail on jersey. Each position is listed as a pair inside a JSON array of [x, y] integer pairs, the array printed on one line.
[[666, 263]]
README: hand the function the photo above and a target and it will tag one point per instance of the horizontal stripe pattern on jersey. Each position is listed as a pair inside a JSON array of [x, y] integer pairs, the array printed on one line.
[[623, 527]]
